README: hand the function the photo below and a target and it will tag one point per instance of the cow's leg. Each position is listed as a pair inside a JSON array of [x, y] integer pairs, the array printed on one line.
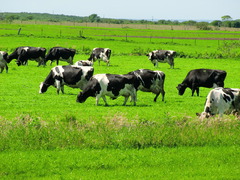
[[6, 68], [105, 100], [62, 89], [155, 99], [1, 69], [58, 86], [125, 100], [193, 90], [163, 95], [197, 90], [171, 62], [133, 94], [98, 98]]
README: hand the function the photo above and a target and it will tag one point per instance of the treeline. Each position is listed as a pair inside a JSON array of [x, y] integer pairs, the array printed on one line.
[[9, 17]]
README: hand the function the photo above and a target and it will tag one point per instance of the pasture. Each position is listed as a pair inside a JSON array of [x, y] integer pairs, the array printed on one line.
[[61, 138]]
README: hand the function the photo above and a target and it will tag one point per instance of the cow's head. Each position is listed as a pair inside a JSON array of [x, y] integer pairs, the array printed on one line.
[[43, 87], [170, 53], [203, 115], [181, 89], [81, 98], [152, 57], [149, 55]]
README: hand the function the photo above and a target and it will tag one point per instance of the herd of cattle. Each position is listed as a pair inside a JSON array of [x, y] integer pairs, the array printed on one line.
[[81, 75]]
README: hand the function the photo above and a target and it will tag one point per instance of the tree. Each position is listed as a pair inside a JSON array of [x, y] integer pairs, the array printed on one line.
[[216, 23], [94, 18], [226, 18], [203, 26]]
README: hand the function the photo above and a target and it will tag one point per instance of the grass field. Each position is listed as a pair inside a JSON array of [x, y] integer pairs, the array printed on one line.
[[50, 136]]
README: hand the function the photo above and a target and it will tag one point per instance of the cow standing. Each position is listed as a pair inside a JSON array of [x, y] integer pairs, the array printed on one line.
[[112, 85], [72, 76], [25, 53], [162, 56], [221, 101], [99, 54], [3, 61], [196, 78], [150, 81], [61, 54]]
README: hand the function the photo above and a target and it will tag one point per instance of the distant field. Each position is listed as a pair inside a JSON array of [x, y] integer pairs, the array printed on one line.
[[164, 138]]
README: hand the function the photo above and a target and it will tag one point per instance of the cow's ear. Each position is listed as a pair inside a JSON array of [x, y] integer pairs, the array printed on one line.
[[198, 114]]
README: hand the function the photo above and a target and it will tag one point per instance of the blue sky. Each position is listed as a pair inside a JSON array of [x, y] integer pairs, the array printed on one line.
[[131, 9]]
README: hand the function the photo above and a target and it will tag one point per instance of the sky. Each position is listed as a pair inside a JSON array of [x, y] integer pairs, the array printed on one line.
[[130, 9]]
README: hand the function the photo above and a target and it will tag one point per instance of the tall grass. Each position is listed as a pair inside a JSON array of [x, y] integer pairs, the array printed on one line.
[[117, 131]]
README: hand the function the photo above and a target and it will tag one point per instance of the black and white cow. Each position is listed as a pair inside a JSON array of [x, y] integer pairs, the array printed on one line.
[[196, 78], [162, 56], [25, 53], [84, 63], [3, 61], [71, 75], [113, 85], [99, 54], [221, 101], [150, 81], [62, 54]]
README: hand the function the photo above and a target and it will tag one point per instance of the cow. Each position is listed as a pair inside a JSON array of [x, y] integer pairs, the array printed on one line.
[[70, 75], [196, 78], [84, 63], [25, 53], [60, 53], [3, 61], [162, 56], [100, 54], [150, 81], [113, 85], [221, 101]]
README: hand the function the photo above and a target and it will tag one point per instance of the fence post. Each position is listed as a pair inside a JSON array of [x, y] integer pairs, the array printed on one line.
[[126, 37], [19, 30]]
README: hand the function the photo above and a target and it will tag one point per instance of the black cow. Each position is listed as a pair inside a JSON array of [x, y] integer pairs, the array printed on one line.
[[196, 78], [60, 53], [25, 53], [113, 85], [71, 75], [162, 56], [3, 61], [100, 54], [150, 81]]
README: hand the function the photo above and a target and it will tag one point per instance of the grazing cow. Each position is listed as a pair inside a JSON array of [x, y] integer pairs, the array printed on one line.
[[196, 78], [3, 62], [84, 63], [162, 56], [60, 53], [221, 101], [100, 54], [25, 53], [150, 81], [112, 85], [72, 76]]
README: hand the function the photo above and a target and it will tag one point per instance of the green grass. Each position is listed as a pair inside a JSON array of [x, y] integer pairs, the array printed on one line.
[[50, 136], [151, 163]]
